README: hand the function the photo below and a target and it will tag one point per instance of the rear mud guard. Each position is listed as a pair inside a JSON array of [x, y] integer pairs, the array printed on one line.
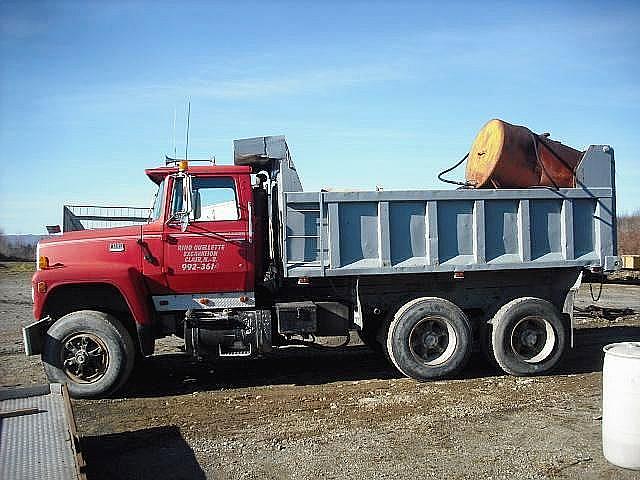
[[569, 301]]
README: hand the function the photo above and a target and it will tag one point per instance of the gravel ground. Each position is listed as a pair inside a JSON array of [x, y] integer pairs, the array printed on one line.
[[344, 413]]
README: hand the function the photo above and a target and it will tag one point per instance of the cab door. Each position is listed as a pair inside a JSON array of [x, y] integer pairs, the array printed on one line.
[[152, 245], [212, 252]]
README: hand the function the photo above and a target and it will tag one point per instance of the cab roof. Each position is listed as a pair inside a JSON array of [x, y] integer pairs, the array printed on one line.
[[159, 173]]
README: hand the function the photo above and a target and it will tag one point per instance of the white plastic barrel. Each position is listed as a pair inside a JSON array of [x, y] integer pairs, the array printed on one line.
[[621, 404]]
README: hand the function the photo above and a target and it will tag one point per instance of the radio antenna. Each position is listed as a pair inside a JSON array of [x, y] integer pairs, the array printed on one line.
[[186, 147], [174, 132]]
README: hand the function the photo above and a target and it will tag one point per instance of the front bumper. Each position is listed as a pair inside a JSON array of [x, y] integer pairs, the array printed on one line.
[[33, 335]]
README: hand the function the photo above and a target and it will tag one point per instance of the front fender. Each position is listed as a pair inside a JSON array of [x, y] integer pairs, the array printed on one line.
[[128, 281]]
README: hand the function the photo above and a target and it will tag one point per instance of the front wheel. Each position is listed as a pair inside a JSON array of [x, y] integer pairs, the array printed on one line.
[[90, 351], [528, 336], [429, 338]]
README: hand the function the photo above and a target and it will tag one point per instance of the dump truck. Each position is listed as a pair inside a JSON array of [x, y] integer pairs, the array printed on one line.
[[239, 260]]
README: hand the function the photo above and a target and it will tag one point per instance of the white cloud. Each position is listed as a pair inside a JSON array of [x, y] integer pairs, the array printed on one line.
[[248, 87]]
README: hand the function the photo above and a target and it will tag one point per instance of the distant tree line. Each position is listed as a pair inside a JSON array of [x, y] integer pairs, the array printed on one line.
[[12, 249], [629, 234]]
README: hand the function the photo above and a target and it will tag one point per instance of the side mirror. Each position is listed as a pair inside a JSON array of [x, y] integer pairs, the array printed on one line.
[[187, 194], [184, 221], [197, 205], [182, 187], [180, 219]]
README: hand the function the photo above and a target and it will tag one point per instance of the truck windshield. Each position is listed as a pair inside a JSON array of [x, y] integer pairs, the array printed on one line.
[[156, 209]]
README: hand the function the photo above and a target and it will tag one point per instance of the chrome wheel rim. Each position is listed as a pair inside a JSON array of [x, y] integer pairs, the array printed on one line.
[[432, 340], [533, 339], [85, 357]]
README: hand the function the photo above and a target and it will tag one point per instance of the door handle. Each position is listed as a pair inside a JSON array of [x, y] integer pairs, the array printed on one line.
[[250, 211], [148, 256]]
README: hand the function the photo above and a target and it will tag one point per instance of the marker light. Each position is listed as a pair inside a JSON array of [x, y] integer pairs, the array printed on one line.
[[183, 166], [43, 262]]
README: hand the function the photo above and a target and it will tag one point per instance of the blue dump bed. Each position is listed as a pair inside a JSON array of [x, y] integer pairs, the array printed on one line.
[[387, 232]]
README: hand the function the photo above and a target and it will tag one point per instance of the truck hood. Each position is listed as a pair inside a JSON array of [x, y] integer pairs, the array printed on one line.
[[132, 230], [99, 249]]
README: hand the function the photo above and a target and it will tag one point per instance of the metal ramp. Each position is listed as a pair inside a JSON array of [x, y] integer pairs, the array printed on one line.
[[38, 436]]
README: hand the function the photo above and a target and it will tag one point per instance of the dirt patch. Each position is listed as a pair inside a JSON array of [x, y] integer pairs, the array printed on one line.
[[342, 414]]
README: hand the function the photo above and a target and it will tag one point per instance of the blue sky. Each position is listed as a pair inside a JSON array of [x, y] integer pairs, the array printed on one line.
[[367, 93]]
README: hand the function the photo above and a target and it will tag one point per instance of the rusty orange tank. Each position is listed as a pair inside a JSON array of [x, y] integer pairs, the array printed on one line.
[[504, 156]]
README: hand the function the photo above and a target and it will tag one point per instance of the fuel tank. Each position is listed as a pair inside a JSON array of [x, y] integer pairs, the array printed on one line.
[[512, 156]]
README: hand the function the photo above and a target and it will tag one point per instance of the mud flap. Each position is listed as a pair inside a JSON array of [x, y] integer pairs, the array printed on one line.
[[33, 335], [146, 339], [569, 300]]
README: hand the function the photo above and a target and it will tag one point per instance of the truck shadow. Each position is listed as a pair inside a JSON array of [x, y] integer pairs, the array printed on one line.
[[175, 374], [151, 453], [587, 355]]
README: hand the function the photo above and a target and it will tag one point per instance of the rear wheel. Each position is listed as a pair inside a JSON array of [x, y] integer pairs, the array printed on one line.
[[528, 336], [429, 338], [90, 351]]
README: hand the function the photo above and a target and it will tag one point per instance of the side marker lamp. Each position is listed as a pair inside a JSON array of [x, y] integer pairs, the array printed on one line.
[[43, 262]]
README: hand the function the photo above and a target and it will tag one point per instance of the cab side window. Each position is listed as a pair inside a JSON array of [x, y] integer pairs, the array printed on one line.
[[158, 203], [214, 199]]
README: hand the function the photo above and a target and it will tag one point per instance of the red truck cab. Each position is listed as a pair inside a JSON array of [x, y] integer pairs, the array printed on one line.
[[196, 251]]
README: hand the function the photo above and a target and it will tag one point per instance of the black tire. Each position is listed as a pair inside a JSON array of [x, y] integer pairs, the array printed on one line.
[[90, 351], [528, 337], [429, 338]]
